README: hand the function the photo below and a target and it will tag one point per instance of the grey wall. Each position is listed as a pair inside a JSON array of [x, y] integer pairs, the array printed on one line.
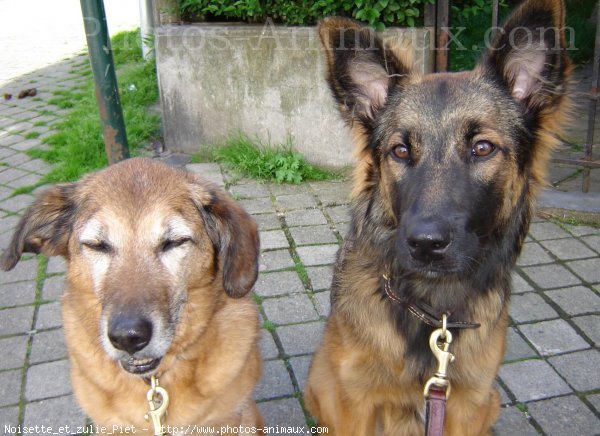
[[265, 81]]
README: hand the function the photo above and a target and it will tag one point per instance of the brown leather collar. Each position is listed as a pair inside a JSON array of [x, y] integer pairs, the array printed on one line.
[[424, 312]]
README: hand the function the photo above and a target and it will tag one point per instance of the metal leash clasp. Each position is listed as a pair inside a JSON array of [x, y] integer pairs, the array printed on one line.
[[158, 407], [444, 357]]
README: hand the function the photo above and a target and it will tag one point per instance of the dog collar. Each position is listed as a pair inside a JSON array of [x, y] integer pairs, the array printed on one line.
[[424, 312]]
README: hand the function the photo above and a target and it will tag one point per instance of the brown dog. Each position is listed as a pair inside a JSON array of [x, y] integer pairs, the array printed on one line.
[[160, 263], [449, 166]]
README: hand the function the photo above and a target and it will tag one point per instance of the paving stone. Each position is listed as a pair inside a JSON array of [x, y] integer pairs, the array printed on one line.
[[56, 265], [24, 270], [17, 203], [272, 239], [274, 260], [278, 189], [47, 380], [8, 140], [301, 338], [275, 381], [581, 369], [504, 398], [28, 180], [519, 284], [268, 348], [588, 269], [278, 283], [290, 310], [553, 337], [53, 288], [250, 189], [11, 174], [581, 230], [551, 276], [313, 235], [568, 249], [320, 276], [268, 221], [49, 316], [532, 380], [564, 416], [530, 307], [5, 239], [282, 413], [323, 302], [332, 193], [16, 160], [55, 412], [300, 366], [591, 326], [257, 205], [595, 400], [516, 347], [296, 201], [577, 300], [13, 352], [8, 416], [533, 254], [342, 229], [339, 214], [16, 294], [28, 144], [513, 422], [308, 217], [5, 193], [47, 346], [545, 230], [317, 254], [10, 387], [15, 321], [594, 242]]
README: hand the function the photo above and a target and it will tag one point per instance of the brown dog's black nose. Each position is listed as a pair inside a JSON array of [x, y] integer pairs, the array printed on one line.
[[428, 239], [129, 333]]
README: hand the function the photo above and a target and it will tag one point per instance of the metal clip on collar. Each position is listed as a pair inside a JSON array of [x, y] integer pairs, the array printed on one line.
[[444, 357], [158, 407]]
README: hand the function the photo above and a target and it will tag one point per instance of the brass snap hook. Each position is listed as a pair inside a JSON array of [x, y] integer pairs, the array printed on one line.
[[444, 357], [158, 406]]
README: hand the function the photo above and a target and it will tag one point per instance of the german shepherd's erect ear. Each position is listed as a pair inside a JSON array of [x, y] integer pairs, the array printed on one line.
[[529, 57], [360, 70], [233, 233], [45, 228]]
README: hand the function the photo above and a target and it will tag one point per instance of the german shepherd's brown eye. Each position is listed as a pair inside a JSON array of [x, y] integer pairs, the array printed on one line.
[[483, 149], [401, 152]]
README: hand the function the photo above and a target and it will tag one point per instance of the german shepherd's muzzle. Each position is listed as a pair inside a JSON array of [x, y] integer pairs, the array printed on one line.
[[448, 168]]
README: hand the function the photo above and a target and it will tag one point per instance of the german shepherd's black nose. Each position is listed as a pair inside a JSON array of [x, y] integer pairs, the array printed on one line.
[[428, 239], [129, 332]]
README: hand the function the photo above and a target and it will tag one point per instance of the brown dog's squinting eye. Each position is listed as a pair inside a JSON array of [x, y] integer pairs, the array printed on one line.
[[98, 246], [169, 244], [401, 152], [483, 149]]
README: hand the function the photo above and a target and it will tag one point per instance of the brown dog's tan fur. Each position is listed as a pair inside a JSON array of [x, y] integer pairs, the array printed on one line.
[[368, 375], [198, 288]]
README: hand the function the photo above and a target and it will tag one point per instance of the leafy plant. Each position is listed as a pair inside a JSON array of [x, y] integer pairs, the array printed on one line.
[[280, 164], [377, 13]]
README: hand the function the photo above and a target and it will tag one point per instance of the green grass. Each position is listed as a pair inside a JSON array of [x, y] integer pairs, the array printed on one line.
[[78, 145], [32, 135], [279, 164]]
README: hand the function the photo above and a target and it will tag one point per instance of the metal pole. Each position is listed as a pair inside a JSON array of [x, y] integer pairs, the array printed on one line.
[[442, 38], [105, 80], [146, 27], [585, 186]]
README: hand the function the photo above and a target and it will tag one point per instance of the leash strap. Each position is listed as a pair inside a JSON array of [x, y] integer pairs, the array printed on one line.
[[435, 410]]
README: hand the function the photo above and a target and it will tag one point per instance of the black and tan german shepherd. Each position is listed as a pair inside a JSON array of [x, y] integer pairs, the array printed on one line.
[[448, 169]]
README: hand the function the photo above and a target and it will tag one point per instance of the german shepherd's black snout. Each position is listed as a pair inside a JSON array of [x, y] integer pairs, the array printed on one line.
[[428, 239], [129, 332]]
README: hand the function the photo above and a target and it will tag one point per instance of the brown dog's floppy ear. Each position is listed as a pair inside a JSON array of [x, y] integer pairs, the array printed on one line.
[[529, 56], [360, 70], [45, 227], [235, 235]]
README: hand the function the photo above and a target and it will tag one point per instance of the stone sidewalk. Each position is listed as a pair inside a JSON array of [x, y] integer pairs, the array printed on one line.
[[550, 379]]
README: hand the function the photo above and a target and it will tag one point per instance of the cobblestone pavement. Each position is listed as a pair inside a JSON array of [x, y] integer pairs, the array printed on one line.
[[550, 378]]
